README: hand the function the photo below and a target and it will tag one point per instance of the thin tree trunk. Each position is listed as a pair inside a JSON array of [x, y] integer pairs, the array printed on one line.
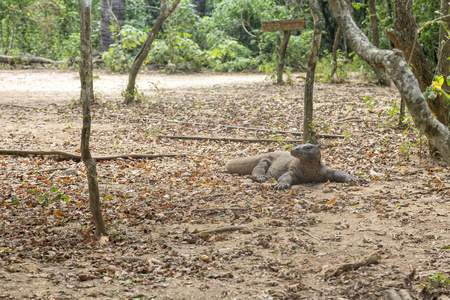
[[86, 78], [282, 52], [335, 49], [381, 76], [444, 46], [309, 84], [396, 67], [140, 57]]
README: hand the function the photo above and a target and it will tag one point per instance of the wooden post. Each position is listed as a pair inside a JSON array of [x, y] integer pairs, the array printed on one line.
[[286, 26]]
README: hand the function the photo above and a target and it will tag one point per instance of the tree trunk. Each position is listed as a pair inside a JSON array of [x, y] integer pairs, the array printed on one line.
[[381, 76], [444, 49], [113, 12], [335, 49], [309, 84], [395, 66], [282, 52], [140, 57], [87, 96], [404, 37], [199, 6]]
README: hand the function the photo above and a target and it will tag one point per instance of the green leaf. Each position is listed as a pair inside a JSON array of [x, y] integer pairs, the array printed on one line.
[[432, 96], [54, 189], [446, 97]]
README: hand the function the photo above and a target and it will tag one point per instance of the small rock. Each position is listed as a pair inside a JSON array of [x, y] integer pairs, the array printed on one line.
[[70, 171]]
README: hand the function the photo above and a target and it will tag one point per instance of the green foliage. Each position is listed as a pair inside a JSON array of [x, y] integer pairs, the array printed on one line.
[[434, 282], [227, 38], [41, 28], [178, 53], [426, 11], [325, 66], [49, 197], [435, 89], [121, 54]]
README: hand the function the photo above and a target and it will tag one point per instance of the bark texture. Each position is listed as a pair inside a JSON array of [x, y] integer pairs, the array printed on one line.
[[396, 67], [444, 47], [309, 84], [112, 11], [87, 96], [404, 37], [143, 52], [335, 49]]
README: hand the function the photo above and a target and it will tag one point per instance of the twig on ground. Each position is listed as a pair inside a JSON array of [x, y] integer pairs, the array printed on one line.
[[309, 234], [248, 128], [21, 106], [47, 170], [219, 209], [229, 228], [252, 140], [366, 260]]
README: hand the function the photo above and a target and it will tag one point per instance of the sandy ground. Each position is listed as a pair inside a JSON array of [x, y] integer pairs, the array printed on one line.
[[155, 209]]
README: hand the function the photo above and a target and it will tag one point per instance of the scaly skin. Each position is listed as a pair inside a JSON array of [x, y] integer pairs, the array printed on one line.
[[302, 164]]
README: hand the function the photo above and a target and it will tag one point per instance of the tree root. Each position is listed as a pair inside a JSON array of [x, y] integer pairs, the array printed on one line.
[[366, 260]]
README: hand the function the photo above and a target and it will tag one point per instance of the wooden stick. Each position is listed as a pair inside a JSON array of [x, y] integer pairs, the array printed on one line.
[[366, 260], [251, 140], [21, 106], [219, 209], [229, 228], [48, 170], [78, 157], [212, 138], [12, 60], [248, 128], [309, 234]]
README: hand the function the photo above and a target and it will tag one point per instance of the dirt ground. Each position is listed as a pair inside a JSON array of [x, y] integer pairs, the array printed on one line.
[[284, 244]]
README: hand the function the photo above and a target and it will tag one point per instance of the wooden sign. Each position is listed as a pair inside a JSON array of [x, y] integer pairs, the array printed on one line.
[[283, 25]]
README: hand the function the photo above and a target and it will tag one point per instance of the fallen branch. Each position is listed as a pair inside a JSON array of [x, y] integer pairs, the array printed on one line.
[[21, 106], [366, 260], [230, 139], [247, 128], [219, 209], [78, 157], [14, 60], [47, 170], [309, 234], [229, 228]]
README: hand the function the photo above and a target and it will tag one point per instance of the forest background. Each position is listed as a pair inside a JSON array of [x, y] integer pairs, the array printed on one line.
[[214, 34]]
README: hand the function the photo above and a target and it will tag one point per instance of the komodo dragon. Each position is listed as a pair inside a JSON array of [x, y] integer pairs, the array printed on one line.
[[302, 164]]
